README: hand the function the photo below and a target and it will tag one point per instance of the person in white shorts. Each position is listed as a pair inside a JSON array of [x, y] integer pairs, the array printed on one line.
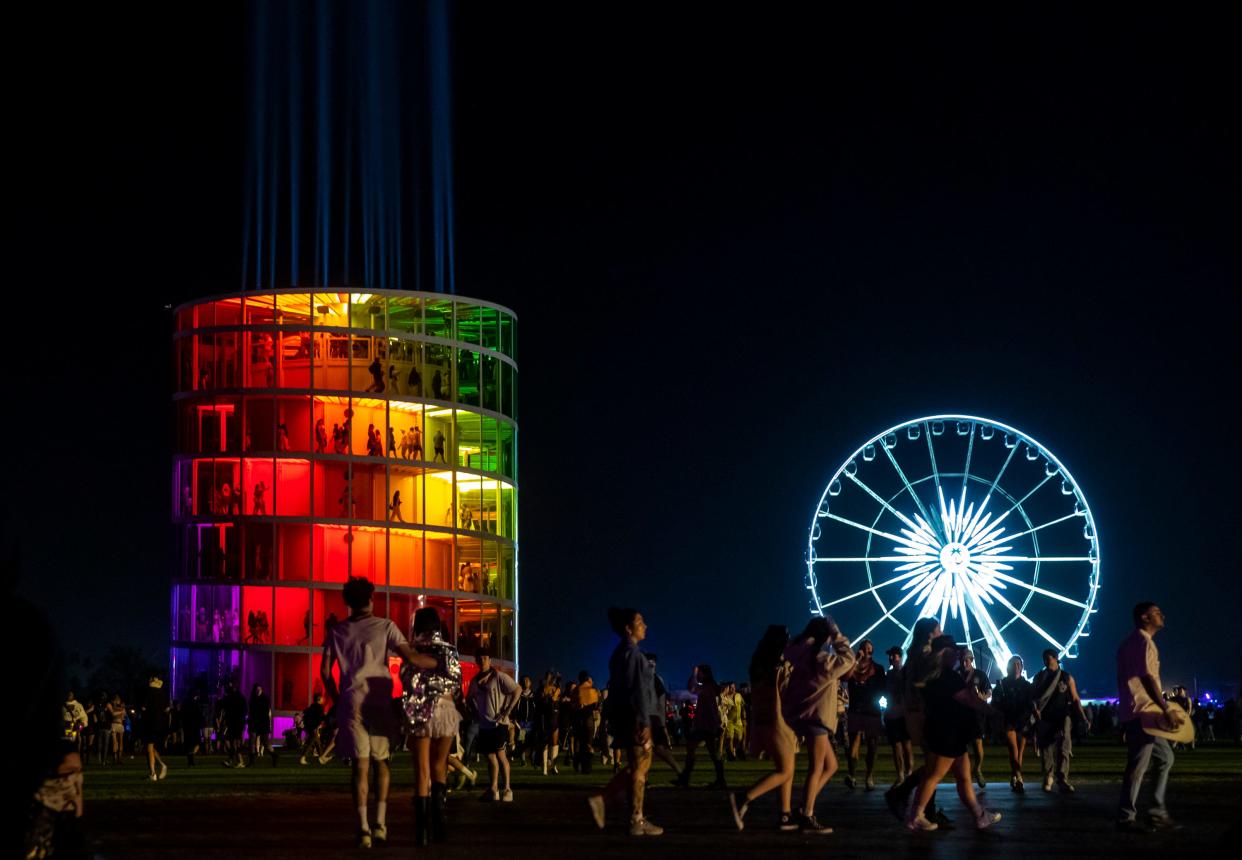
[[360, 646]]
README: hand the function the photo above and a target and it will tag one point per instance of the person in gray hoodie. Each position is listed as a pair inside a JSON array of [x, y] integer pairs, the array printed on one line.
[[810, 704]]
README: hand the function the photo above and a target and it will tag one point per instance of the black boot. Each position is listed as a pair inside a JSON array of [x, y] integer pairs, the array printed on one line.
[[720, 780], [439, 810], [422, 822]]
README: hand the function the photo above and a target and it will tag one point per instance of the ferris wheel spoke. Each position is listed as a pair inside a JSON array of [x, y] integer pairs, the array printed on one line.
[[1004, 601], [991, 633], [970, 449], [1003, 467], [904, 480], [984, 546], [1035, 588], [901, 578], [898, 514], [864, 558], [1039, 558], [874, 531], [887, 615], [931, 453], [1034, 489]]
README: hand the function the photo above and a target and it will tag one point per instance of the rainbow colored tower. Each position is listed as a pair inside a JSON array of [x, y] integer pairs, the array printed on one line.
[[327, 434]]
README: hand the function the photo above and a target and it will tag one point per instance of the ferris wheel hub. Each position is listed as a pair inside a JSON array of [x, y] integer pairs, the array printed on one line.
[[955, 558]]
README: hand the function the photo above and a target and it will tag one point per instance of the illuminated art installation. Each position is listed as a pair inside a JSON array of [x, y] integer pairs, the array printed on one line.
[[324, 434], [963, 519]]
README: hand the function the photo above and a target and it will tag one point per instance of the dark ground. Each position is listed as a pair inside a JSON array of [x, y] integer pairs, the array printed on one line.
[[305, 812]]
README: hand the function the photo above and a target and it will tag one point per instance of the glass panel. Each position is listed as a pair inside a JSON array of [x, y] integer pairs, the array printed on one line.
[[207, 671], [293, 309], [257, 480], [439, 431], [506, 519], [468, 377], [470, 574], [260, 422], [508, 635], [367, 367], [292, 484], [367, 555], [206, 613], [259, 347], [508, 449], [506, 571], [292, 691], [439, 555], [330, 480], [256, 672], [293, 359], [469, 440], [293, 424], [293, 616], [184, 352], [330, 554], [469, 502], [439, 508], [185, 319], [259, 309], [506, 333], [437, 371], [405, 313], [407, 422], [439, 314], [490, 628], [367, 311], [257, 610], [405, 554], [469, 321], [469, 627], [490, 382], [489, 335], [490, 578], [258, 550], [293, 544], [508, 390], [228, 312]]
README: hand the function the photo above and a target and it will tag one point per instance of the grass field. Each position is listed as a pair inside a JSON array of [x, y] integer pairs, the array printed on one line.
[[1093, 763], [304, 812]]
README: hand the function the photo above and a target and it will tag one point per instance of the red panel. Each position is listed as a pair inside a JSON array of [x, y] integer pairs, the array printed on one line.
[[257, 483], [406, 559], [292, 691], [293, 488], [256, 614], [293, 618]]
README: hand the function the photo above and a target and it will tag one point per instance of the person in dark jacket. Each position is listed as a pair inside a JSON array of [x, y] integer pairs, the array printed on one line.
[[631, 701], [1013, 699], [259, 718]]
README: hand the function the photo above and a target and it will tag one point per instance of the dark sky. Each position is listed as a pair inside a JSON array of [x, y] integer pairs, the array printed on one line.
[[739, 245]]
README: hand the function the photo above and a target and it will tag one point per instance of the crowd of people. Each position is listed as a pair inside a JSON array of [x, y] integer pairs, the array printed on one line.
[[812, 695]]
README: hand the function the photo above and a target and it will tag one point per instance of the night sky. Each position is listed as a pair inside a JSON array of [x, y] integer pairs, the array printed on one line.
[[739, 246]]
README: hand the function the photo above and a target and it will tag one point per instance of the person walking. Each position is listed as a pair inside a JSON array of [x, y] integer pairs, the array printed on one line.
[[631, 700], [259, 719], [494, 695], [312, 720], [1138, 691], [810, 705], [975, 678], [429, 705], [769, 733], [1013, 699], [586, 706], [661, 743], [358, 647], [1055, 694], [950, 708], [233, 716], [866, 687], [116, 723], [895, 717], [155, 711], [707, 726]]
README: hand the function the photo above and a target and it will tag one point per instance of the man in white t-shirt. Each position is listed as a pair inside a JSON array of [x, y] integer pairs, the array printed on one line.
[[1138, 689], [360, 646], [494, 695]]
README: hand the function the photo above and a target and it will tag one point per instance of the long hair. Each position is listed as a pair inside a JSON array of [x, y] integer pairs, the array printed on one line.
[[767, 656], [817, 629], [920, 637]]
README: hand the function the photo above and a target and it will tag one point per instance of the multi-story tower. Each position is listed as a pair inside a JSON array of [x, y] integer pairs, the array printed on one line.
[[328, 434]]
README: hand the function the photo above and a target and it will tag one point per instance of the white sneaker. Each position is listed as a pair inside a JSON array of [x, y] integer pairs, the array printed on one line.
[[1048, 782], [163, 770], [152, 777], [920, 823], [596, 802], [506, 796], [643, 827], [303, 760], [871, 783], [738, 807], [985, 819]]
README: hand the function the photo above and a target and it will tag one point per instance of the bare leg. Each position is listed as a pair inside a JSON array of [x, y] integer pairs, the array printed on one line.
[[781, 777], [421, 749], [933, 772], [362, 772], [872, 747], [852, 756], [821, 765], [640, 764], [965, 788]]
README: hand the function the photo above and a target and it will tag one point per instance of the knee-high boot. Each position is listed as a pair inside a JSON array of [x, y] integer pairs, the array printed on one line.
[[422, 822], [439, 811]]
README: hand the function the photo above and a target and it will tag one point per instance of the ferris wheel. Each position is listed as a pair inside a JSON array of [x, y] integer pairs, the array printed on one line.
[[965, 520]]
